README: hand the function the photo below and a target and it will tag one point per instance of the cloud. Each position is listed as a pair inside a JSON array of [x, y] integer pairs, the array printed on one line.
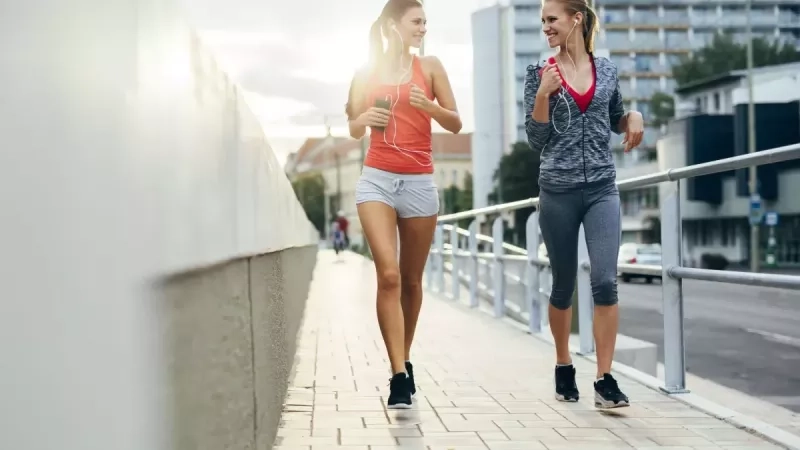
[[296, 58]]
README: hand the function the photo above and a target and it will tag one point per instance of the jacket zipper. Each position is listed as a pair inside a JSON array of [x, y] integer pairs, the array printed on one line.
[[583, 147]]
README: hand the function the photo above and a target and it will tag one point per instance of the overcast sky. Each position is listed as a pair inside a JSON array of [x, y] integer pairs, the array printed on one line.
[[295, 59]]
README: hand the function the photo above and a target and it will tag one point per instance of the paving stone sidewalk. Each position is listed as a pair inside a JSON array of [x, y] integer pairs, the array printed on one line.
[[482, 384]]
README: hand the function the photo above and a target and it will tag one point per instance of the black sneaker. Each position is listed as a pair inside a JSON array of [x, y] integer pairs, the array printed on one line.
[[410, 371], [607, 393], [399, 394], [566, 389]]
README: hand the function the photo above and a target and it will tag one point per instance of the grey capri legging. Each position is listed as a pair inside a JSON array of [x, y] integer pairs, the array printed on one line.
[[561, 213], [411, 195]]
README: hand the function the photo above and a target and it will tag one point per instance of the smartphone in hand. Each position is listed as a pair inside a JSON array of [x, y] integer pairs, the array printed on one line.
[[385, 104]]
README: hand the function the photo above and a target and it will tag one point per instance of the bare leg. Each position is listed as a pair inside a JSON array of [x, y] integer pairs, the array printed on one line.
[[560, 327], [379, 222], [416, 236], [606, 324]]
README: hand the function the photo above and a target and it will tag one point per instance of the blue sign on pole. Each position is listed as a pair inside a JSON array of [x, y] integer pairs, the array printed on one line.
[[756, 213], [771, 219]]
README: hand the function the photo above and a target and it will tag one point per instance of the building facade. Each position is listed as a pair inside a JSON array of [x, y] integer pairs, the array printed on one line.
[[339, 161], [713, 125], [644, 38], [494, 91]]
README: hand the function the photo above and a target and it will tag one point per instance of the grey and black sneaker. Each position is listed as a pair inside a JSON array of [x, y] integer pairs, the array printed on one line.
[[607, 393], [566, 388], [399, 393], [410, 372]]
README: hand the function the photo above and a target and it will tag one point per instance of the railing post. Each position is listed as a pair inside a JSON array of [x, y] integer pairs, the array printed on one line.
[[473, 263], [456, 287], [439, 266], [532, 271], [429, 269], [585, 303], [672, 288], [499, 275]]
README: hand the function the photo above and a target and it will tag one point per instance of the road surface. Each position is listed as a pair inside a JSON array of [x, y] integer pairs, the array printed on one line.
[[742, 337]]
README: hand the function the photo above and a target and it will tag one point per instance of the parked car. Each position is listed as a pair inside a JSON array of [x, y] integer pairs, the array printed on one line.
[[633, 253]]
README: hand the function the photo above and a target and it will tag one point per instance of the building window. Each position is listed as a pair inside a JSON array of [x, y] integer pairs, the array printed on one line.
[[647, 40], [623, 63], [645, 15], [617, 15], [618, 39], [645, 63], [646, 87], [725, 235], [676, 39], [717, 107], [644, 108]]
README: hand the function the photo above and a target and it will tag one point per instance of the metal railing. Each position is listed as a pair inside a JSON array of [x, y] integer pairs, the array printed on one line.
[[671, 271]]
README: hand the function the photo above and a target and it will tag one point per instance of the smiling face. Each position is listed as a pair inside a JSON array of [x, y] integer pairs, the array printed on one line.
[[558, 23], [412, 27]]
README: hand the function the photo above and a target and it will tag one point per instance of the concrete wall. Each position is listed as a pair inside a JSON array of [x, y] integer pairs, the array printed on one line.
[[135, 187], [231, 334]]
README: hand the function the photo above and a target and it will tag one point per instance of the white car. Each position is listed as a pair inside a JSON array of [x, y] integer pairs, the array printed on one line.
[[633, 253]]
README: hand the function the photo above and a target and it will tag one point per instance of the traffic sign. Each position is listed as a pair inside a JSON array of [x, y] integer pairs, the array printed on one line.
[[756, 213], [771, 219]]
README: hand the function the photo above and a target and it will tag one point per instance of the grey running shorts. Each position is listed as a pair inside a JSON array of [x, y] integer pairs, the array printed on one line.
[[412, 195]]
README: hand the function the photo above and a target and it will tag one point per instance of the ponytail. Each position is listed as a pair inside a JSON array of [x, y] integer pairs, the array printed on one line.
[[375, 42], [590, 27], [375, 55]]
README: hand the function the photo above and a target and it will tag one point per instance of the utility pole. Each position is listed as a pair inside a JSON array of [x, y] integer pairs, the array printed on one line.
[[338, 183], [755, 235], [326, 199]]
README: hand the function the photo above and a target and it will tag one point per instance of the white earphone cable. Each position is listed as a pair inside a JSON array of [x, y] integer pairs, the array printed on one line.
[[404, 151], [563, 91]]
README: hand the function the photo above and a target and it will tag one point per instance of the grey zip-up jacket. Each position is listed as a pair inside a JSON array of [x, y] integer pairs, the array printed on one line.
[[581, 153]]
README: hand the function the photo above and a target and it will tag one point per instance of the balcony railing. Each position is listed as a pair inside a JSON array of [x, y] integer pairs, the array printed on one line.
[[464, 261]]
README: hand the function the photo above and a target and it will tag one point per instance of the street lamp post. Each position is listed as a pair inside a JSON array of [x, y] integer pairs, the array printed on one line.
[[755, 257]]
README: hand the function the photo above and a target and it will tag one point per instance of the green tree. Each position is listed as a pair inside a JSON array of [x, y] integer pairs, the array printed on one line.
[[517, 178], [310, 191], [724, 54], [662, 108], [464, 200]]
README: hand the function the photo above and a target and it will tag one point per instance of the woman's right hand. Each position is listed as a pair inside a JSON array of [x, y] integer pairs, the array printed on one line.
[[551, 80], [374, 117]]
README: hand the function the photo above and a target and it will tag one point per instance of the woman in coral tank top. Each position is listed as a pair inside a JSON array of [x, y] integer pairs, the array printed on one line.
[[396, 96]]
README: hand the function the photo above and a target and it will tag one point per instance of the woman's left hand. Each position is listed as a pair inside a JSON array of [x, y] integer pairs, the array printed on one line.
[[634, 131], [419, 100]]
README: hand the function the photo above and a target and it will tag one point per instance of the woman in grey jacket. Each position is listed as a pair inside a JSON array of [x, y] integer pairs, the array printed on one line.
[[572, 106]]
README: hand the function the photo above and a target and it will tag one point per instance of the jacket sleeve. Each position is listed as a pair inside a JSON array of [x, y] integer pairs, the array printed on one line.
[[538, 132], [616, 109]]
